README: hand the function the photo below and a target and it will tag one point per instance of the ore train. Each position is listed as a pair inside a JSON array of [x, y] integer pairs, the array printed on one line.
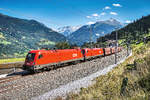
[[47, 59]]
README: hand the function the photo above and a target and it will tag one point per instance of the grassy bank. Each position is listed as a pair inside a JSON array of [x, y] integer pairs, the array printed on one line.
[[2, 61], [128, 81]]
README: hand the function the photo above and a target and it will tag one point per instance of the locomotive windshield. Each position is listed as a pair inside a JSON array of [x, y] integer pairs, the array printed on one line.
[[30, 56], [83, 51]]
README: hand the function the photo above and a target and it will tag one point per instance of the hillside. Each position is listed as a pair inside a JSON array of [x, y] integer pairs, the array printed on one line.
[[131, 79], [17, 36], [133, 32], [128, 81], [100, 28]]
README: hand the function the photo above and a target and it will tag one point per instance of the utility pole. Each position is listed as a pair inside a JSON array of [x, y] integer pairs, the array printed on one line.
[[91, 36], [116, 46], [127, 39], [127, 48], [127, 43]]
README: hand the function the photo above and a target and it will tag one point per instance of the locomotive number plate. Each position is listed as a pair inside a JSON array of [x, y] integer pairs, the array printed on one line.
[[74, 55]]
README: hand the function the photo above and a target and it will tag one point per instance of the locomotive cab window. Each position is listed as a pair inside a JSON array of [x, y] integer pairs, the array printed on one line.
[[30, 56], [40, 56], [83, 51]]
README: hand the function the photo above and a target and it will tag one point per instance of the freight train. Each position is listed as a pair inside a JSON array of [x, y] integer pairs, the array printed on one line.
[[47, 59]]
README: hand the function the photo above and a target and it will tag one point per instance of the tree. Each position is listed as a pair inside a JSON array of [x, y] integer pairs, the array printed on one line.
[[63, 45]]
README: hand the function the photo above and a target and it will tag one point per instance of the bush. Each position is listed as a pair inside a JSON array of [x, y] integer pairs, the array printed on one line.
[[63, 45], [131, 67], [145, 82], [141, 50]]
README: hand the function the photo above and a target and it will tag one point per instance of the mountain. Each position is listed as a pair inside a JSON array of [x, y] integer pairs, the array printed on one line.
[[67, 30], [133, 32], [100, 28], [17, 36]]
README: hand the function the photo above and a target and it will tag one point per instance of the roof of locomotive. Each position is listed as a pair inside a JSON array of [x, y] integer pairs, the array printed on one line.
[[42, 51], [61, 50], [36, 51]]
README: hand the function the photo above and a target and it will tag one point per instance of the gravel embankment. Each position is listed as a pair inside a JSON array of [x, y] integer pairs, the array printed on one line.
[[38, 84]]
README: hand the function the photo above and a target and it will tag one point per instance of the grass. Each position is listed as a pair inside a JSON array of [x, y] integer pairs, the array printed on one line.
[[121, 41], [2, 61], [46, 42], [147, 34], [5, 42], [1, 36], [128, 81]]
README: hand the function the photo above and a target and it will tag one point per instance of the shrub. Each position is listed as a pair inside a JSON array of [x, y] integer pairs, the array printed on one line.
[[145, 82]]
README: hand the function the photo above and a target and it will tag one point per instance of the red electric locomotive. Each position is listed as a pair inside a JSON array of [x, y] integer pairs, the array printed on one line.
[[46, 59], [39, 59]]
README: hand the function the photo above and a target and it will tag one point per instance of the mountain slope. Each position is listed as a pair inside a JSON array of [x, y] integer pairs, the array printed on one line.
[[20, 35], [133, 32], [95, 30], [67, 30]]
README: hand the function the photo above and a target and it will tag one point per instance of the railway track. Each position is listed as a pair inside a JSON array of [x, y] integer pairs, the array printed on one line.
[[16, 86], [9, 88], [4, 89], [8, 79], [10, 84], [18, 76], [11, 65]]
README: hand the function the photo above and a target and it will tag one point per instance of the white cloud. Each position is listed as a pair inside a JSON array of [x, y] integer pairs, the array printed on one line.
[[95, 15], [90, 23], [127, 21], [2, 9], [103, 13], [117, 5], [6, 10], [103, 32], [107, 7], [88, 17], [113, 13], [97, 34]]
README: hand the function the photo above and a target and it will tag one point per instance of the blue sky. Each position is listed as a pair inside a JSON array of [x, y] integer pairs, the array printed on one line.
[[58, 13]]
